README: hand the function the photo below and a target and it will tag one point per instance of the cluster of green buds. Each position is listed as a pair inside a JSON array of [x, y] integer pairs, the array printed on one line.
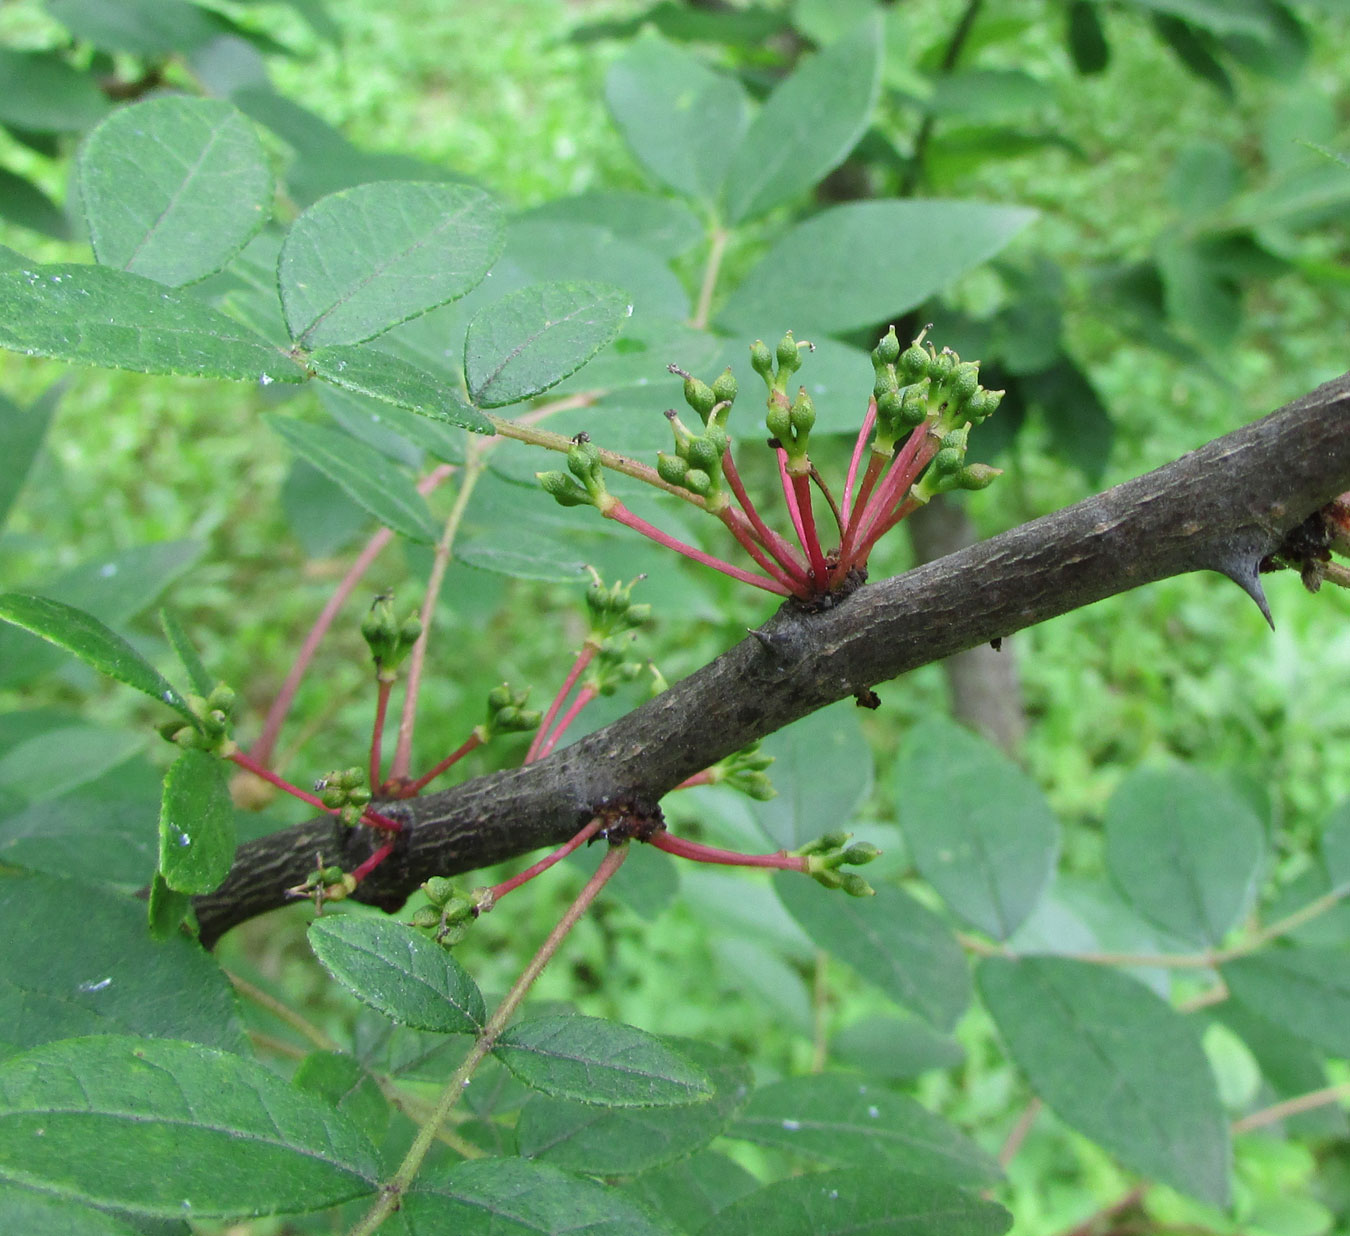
[[922, 384], [214, 715], [949, 470], [346, 791], [611, 668], [325, 884], [450, 913], [586, 485], [827, 854], [744, 770], [389, 640], [506, 714], [611, 609], [790, 421], [696, 463]]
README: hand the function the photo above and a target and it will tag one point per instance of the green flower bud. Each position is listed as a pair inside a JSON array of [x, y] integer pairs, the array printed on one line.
[[334, 796], [913, 363], [778, 418], [410, 631], [452, 934], [499, 698], [860, 853], [583, 460], [331, 875], [982, 404], [977, 476], [829, 878], [754, 785], [350, 816], [699, 396], [358, 796], [427, 916], [887, 352], [724, 386], [789, 356], [943, 365], [914, 404], [459, 908], [671, 468], [854, 885], [964, 382], [221, 698], [565, 491], [948, 460], [802, 413], [439, 890], [761, 359], [889, 407], [350, 778]]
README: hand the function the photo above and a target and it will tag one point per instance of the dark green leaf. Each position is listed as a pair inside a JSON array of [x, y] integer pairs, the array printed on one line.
[[661, 224], [57, 761], [362, 260], [174, 187], [1220, 17], [680, 119], [532, 339], [514, 1197], [844, 1120], [1306, 990], [1336, 845], [1081, 429], [142, 27], [1087, 38], [602, 1062], [368, 371], [890, 940], [22, 202], [691, 1191], [165, 908], [158, 1127], [114, 589], [822, 275], [196, 824], [72, 979], [399, 972], [895, 1048], [1117, 1063], [84, 636], [842, 1203], [1185, 851], [181, 643], [33, 1214], [341, 1081], [365, 474], [94, 315], [41, 91], [399, 433], [808, 125], [979, 829], [615, 1141], [21, 433], [1195, 48], [983, 96]]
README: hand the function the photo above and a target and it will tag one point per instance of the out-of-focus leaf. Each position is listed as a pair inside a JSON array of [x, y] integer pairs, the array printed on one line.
[[1081, 429], [42, 91], [22, 431], [1306, 990], [22, 202], [986, 95], [181, 643], [1086, 37], [691, 1191], [140, 27], [196, 824], [35, 1214], [662, 224], [895, 1047]]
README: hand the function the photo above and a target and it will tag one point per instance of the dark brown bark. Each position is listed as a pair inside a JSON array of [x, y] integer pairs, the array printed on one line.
[[1224, 507]]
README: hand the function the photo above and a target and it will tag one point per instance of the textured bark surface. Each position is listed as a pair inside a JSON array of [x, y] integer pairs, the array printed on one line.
[[1224, 507]]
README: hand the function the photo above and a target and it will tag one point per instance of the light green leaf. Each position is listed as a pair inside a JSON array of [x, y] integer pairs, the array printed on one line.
[[94, 315], [34, 1214], [1117, 1063], [621, 1141], [366, 475], [22, 202], [808, 125], [660, 224], [1336, 845], [601, 1062], [895, 1048], [151, 28], [680, 119], [1185, 851], [861, 263], [399, 972], [181, 643], [890, 940], [522, 554], [368, 371], [979, 829], [532, 339], [196, 824], [842, 1203], [845, 1120], [21, 433], [159, 1127], [513, 1197], [1306, 990], [59, 760], [362, 260], [165, 909], [42, 92], [174, 187], [70, 980], [84, 636]]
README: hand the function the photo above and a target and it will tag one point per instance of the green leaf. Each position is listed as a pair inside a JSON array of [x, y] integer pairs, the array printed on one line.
[[861, 263], [181, 643], [366, 475], [661, 224], [847, 1121], [601, 1062], [681, 120], [42, 92], [152, 28], [341, 1081], [174, 187], [1186, 851], [399, 972], [165, 908], [808, 125], [196, 824], [159, 1127], [691, 1191], [1305, 989], [57, 761], [895, 1048], [94, 315], [890, 940], [842, 1203], [22, 202], [1086, 38], [368, 371], [34, 1214], [618, 1141], [979, 829], [1336, 845], [1117, 1063], [513, 1197], [114, 589], [532, 339], [72, 978], [84, 636], [362, 260]]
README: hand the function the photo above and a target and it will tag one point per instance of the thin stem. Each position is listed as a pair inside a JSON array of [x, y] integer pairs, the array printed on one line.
[[820, 1008], [740, 528], [1018, 1134], [903, 511], [717, 246], [1293, 1107], [498, 891], [790, 498], [864, 435], [276, 715], [695, 851], [583, 659], [584, 697], [879, 516], [777, 545], [369, 816], [377, 730], [801, 485], [391, 1194], [469, 744], [383, 852], [623, 515], [475, 460], [910, 180], [699, 778], [282, 1012], [819, 482]]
